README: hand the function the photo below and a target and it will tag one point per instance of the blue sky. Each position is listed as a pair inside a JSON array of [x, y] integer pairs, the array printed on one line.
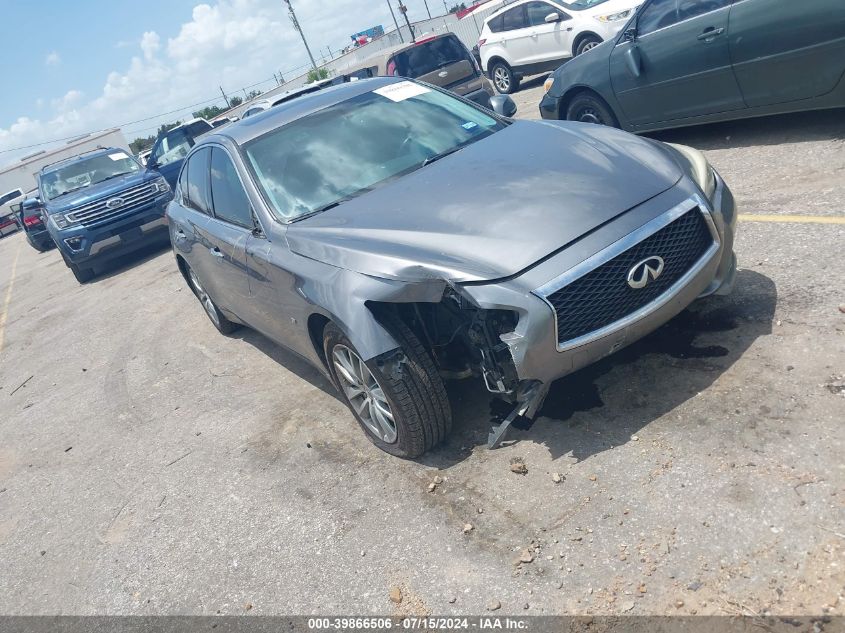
[[71, 67]]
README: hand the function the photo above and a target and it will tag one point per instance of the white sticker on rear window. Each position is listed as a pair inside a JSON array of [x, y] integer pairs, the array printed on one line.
[[118, 156], [401, 91]]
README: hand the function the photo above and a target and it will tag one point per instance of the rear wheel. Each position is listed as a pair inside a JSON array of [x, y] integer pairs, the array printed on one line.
[[223, 325], [589, 108], [503, 78], [401, 404], [82, 275]]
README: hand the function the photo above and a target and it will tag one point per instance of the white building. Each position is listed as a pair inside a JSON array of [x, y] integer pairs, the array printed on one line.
[[21, 173]]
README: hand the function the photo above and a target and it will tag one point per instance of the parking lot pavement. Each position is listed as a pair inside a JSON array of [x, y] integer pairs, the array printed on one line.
[[150, 465]]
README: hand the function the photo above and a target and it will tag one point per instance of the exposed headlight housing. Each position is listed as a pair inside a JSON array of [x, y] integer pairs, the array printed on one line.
[[547, 85], [700, 170], [161, 185], [615, 17]]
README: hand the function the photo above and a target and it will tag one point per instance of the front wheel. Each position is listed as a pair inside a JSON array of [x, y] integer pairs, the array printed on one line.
[[400, 402], [588, 108], [82, 275], [588, 42], [503, 78]]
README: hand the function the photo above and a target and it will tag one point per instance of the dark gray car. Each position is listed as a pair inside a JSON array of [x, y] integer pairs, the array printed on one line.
[[687, 62], [393, 234]]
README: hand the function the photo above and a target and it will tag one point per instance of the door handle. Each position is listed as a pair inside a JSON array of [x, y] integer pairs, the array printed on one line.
[[710, 34], [216, 252]]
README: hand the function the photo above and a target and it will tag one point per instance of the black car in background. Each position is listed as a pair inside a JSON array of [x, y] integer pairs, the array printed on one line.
[[34, 222]]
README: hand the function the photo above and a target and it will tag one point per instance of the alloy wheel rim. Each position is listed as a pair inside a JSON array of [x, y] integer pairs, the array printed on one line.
[[205, 300], [503, 82], [588, 46], [588, 115], [364, 394]]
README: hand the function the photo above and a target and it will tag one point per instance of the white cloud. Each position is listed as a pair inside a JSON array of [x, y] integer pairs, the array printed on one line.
[[229, 43], [150, 42], [52, 59]]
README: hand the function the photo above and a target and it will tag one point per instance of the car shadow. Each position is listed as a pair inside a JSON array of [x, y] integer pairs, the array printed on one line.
[[819, 125], [120, 264], [605, 404]]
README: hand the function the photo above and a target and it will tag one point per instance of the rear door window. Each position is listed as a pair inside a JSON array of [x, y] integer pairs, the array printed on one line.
[[497, 24], [198, 193], [228, 197], [515, 19], [425, 58]]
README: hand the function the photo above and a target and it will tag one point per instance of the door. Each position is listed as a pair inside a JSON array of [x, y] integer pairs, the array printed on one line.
[[786, 51], [551, 40], [516, 36], [189, 216], [679, 65], [229, 229]]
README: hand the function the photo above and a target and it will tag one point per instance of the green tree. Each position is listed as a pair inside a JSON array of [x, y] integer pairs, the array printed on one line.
[[252, 94], [316, 75], [235, 101], [141, 144], [208, 112]]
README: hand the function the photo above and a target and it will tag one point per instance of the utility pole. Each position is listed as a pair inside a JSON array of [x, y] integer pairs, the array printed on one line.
[[404, 11], [329, 49], [445, 7], [425, 2], [225, 98], [293, 19], [396, 22]]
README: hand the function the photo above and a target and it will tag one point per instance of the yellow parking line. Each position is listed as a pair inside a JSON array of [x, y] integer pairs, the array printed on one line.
[[798, 219], [8, 298]]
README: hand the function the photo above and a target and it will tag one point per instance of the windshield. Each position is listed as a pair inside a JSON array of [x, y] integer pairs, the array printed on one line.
[[580, 5], [424, 58], [87, 172], [353, 146]]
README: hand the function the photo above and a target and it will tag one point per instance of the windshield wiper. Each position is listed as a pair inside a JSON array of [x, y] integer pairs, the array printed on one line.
[[431, 159], [112, 176], [64, 193]]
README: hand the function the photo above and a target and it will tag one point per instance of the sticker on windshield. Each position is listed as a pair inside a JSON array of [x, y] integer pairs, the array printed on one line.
[[401, 91], [118, 156], [469, 125]]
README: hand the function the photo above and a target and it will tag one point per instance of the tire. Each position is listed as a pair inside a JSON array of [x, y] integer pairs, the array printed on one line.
[[83, 275], [223, 325], [503, 78], [586, 43], [419, 413], [589, 108]]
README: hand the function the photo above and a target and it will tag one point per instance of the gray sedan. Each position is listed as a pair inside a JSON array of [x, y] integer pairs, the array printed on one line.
[[395, 236]]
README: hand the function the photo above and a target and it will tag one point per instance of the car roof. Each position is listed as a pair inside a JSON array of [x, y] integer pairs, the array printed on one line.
[[259, 124], [79, 157]]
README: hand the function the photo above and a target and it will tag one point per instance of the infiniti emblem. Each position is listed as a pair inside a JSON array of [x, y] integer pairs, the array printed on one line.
[[645, 271], [114, 203]]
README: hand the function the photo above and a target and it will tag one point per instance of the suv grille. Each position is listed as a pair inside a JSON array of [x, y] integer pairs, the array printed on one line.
[[603, 295], [98, 211]]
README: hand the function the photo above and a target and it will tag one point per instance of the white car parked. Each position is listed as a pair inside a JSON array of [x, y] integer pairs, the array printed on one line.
[[534, 36]]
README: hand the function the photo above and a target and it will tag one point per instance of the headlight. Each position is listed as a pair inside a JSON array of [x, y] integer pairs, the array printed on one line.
[[547, 85], [161, 186], [700, 170], [614, 17], [60, 221]]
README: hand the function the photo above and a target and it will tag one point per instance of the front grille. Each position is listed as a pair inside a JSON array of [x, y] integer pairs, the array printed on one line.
[[603, 296], [97, 211]]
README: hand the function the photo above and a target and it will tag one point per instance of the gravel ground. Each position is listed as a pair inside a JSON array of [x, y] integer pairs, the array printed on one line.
[[149, 465]]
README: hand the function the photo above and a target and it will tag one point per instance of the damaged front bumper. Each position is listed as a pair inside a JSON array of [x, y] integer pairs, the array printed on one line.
[[537, 355]]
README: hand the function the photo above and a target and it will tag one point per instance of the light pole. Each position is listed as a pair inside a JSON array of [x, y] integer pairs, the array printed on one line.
[[396, 22], [404, 11], [293, 19], [425, 2]]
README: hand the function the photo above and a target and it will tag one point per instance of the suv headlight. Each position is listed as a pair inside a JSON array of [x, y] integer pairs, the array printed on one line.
[[161, 185], [61, 221], [700, 170], [615, 17]]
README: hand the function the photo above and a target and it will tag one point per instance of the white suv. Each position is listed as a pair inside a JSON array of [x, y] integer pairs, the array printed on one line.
[[534, 36]]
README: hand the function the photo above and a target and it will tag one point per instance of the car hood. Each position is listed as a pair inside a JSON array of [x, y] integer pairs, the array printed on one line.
[[104, 189], [492, 209]]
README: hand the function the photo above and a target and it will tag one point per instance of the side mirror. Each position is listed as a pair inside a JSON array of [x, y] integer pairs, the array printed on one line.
[[151, 165], [630, 35], [503, 105], [553, 17]]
